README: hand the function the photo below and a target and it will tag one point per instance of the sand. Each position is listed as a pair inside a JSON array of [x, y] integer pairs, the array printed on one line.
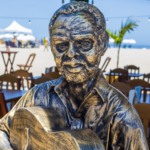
[[43, 59]]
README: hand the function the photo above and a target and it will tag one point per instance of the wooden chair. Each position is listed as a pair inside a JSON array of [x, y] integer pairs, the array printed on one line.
[[45, 77], [144, 113], [123, 87], [52, 75], [146, 77], [29, 62], [145, 87], [51, 69], [40, 80], [105, 64], [3, 107], [118, 74], [24, 75], [9, 81], [132, 69]]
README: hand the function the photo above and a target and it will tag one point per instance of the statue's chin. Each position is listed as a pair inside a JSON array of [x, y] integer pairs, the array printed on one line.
[[76, 78]]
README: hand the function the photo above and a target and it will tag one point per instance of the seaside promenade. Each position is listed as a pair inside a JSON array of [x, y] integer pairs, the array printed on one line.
[[43, 59]]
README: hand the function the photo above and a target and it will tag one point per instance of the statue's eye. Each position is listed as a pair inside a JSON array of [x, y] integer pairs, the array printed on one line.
[[85, 44], [62, 47]]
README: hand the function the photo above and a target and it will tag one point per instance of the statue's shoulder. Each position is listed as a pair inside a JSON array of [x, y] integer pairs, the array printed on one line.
[[48, 84]]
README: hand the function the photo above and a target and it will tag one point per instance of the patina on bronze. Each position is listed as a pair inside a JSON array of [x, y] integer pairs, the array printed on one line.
[[34, 128], [80, 106], [78, 40]]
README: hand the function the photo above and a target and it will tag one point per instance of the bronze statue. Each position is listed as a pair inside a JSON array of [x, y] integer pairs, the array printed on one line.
[[83, 106]]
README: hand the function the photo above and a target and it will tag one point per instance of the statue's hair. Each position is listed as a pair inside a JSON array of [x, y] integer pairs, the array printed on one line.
[[81, 6]]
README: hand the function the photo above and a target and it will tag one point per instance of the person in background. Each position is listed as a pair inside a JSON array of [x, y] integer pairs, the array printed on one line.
[[45, 42], [81, 96]]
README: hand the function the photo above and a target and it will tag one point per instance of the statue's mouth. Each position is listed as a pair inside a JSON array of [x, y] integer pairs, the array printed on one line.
[[74, 69]]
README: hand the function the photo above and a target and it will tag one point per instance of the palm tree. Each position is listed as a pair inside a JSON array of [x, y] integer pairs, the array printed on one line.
[[128, 26]]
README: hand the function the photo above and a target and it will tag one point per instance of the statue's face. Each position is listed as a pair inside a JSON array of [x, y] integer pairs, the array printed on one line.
[[74, 45]]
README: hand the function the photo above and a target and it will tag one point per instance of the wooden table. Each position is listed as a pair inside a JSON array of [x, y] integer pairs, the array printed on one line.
[[8, 59], [137, 75], [12, 96], [129, 74]]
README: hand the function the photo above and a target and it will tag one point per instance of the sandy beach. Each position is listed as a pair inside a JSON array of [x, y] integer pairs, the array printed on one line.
[[43, 59]]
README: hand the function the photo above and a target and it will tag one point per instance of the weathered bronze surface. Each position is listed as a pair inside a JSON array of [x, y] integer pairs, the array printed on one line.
[[35, 128], [81, 99], [78, 40]]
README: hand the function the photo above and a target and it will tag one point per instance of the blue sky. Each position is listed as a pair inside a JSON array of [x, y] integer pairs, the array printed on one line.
[[40, 12]]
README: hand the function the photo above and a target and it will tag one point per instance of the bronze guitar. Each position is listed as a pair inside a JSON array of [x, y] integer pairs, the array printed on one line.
[[38, 128]]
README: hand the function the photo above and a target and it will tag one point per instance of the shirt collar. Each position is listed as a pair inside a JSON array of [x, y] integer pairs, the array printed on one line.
[[101, 86]]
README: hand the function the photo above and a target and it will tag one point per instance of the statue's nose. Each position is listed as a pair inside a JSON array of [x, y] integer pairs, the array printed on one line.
[[71, 51]]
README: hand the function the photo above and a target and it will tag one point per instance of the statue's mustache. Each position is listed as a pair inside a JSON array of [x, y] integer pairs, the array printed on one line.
[[73, 63]]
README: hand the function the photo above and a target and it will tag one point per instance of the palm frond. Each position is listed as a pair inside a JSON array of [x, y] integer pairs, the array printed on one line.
[[118, 36], [112, 34], [127, 27]]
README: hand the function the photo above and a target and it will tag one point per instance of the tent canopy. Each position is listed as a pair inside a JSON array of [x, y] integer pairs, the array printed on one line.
[[23, 37], [6, 36], [129, 41], [16, 27]]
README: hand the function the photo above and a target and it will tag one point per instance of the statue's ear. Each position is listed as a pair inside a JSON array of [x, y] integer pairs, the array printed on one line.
[[103, 42], [106, 41]]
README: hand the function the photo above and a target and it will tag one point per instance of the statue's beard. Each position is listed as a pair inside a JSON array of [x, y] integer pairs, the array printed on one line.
[[83, 76]]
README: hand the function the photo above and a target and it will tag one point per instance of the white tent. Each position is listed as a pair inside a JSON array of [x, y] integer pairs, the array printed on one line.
[[23, 37], [111, 40], [16, 27], [30, 37], [6, 36], [129, 41]]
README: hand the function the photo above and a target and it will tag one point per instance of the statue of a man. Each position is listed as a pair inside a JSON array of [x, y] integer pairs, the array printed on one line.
[[81, 96]]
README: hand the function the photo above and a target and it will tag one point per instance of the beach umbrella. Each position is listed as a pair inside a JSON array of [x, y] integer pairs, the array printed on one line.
[[15, 27], [6, 36], [21, 37], [129, 41], [111, 40], [30, 38]]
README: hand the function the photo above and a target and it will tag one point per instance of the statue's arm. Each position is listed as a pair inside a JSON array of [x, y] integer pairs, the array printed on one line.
[[5, 122], [126, 131]]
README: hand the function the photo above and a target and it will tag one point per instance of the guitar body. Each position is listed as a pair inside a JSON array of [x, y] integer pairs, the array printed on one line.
[[38, 128]]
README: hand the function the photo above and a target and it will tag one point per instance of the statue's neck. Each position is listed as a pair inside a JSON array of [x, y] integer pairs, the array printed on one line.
[[79, 91]]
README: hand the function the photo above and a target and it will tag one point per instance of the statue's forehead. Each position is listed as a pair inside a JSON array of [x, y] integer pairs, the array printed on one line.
[[74, 18], [76, 21]]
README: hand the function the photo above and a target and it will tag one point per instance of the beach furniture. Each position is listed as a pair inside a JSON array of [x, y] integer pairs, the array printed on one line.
[[133, 70], [52, 75], [25, 76], [9, 81], [117, 74], [51, 69], [123, 87], [8, 99], [142, 88], [28, 63], [39, 80], [146, 77], [143, 111], [8, 59], [3, 107]]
